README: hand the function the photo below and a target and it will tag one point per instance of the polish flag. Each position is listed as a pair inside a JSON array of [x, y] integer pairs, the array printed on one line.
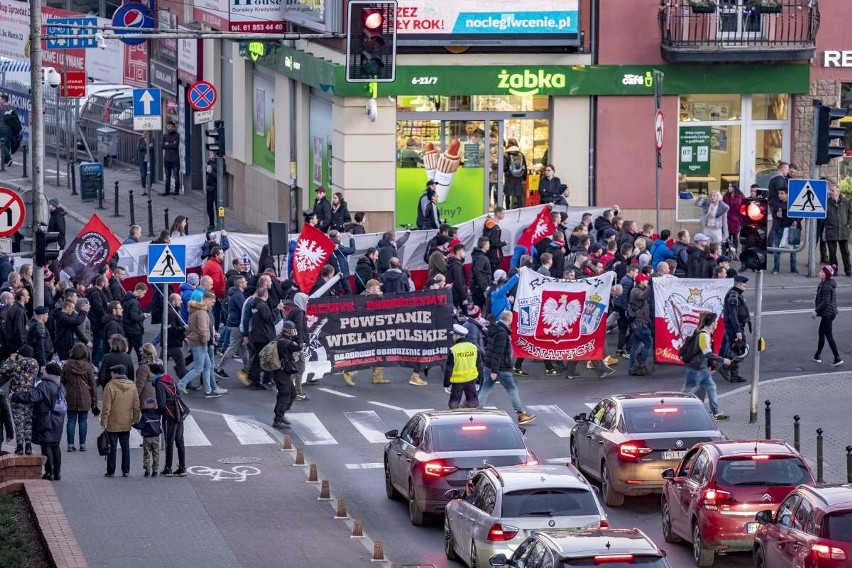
[[313, 249], [541, 227]]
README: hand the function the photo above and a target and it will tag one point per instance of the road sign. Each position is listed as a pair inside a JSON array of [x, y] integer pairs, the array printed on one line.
[[659, 130], [201, 95], [166, 264], [12, 212], [73, 84], [6, 245], [807, 198], [86, 36], [202, 116], [147, 109], [134, 18]]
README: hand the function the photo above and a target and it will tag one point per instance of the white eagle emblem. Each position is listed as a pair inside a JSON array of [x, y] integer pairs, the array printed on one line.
[[683, 315], [542, 228], [308, 255], [559, 316]]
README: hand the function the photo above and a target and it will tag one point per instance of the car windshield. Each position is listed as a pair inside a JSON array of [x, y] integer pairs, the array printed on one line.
[[646, 561], [645, 419], [465, 437], [550, 502], [769, 470], [838, 526]]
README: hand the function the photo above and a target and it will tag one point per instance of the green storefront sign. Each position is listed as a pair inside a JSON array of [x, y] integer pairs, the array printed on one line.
[[695, 142], [554, 80]]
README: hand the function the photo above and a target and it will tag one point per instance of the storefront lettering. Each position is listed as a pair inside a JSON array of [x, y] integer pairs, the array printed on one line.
[[529, 82], [632, 79], [256, 50], [424, 80], [290, 63], [837, 59]]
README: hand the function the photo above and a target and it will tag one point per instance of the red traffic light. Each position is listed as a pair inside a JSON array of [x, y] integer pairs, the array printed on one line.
[[753, 210], [373, 20]]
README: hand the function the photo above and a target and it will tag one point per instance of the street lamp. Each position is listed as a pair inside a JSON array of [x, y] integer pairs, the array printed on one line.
[[54, 79]]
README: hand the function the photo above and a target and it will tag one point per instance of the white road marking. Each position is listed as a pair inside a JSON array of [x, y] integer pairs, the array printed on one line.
[[590, 405], [375, 465], [555, 419], [135, 438], [192, 434], [334, 392], [412, 411], [247, 431], [310, 430], [385, 405], [368, 423], [561, 461]]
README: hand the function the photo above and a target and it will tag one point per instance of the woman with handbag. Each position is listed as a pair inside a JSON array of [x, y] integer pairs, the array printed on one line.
[[825, 307], [78, 378], [174, 411], [714, 216]]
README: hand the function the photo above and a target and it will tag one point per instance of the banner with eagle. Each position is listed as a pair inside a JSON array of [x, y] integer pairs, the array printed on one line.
[[679, 304], [559, 319]]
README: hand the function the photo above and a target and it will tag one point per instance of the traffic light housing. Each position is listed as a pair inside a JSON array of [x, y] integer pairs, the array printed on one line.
[[754, 233], [826, 134], [217, 136], [42, 255], [371, 42]]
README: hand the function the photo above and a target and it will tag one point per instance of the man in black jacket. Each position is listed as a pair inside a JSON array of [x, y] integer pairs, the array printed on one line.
[[98, 301], [177, 336], [455, 276], [171, 157], [66, 324], [736, 315], [262, 332], [322, 209], [498, 366], [365, 269], [39, 338], [299, 316], [116, 288], [133, 319], [56, 222], [480, 271], [111, 322], [16, 320], [387, 248], [697, 256]]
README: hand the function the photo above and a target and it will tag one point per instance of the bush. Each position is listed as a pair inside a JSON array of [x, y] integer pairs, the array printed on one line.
[[13, 549]]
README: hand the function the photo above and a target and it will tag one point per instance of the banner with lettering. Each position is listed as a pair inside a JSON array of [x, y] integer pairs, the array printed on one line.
[[679, 304], [364, 331], [561, 320]]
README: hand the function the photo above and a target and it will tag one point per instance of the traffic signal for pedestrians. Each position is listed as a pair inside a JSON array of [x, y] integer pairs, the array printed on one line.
[[826, 134], [371, 42], [217, 136], [43, 256], [754, 233]]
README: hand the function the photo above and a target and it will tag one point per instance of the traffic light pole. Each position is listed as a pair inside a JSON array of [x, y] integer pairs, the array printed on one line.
[[814, 174], [220, 190], [37, 141], [755, 370]]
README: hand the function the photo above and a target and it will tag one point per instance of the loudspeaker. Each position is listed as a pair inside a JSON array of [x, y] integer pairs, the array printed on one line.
[[277, 237]]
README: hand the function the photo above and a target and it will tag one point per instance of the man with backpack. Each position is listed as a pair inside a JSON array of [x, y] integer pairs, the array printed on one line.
[[697, 353], [262, 324], [639, 315], [286, 348], [515, 176], [174, 411], [299, 316], [49, 410]]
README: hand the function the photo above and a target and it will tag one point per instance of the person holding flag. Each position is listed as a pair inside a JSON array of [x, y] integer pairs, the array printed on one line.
[[313, 251], [542, 226], [89, 252]]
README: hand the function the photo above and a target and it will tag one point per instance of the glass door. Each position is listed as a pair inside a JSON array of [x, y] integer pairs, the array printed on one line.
[[767, 150], [737, 21]]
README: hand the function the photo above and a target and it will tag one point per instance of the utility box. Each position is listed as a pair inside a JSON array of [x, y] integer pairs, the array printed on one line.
[[107, 142]]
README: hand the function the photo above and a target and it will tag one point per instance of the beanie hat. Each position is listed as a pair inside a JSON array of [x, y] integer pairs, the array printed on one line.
[[828, 270], [642, 278], [192, 279], [473, 311]]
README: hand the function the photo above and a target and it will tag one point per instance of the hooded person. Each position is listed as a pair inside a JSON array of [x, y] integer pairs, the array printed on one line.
[[49, 409], [287, 346], [56, 221], [299, 316], [174, 411]]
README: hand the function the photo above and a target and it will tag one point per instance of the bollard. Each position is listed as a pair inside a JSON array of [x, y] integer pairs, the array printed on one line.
[[25, 149], [768, 435], [300, 457], [132, 209], [73, 175], [286, 443], [115, 212], [848, 464], [312, 474], [378, 551], [3, 144], [341, 510], [101, 198], [820, 478], [150, 217], [357, 529], [69, 172], [166, 215], [325, 492], [796, 433]]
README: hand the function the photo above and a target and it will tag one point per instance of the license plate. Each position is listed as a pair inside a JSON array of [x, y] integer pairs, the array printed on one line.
[[674, 454], [751, 528]]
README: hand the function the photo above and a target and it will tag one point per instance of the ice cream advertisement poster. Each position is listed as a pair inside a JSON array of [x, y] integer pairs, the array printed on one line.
[[561, 320], [679, 304]]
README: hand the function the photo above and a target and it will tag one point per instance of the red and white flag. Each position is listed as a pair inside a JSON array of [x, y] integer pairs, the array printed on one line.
[[94, 246], [313, 249], [542, 226]]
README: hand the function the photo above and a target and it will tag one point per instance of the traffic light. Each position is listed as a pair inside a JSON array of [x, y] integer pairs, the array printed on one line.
[[754, 233], [42, 255], [826, 134], [371, 42], [217, 133]]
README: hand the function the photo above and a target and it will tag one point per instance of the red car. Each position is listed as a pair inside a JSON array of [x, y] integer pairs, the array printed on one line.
[[712, 497], [812, 529]]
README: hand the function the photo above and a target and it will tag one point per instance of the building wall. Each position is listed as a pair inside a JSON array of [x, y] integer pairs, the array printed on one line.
[[629, 32]]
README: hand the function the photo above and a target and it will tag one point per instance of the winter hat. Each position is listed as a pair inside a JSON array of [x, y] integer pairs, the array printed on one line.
[[118, 369], [609, 233], [192, 279], [828, 270], [642, 278], [701, 237], [53, 201], [288, 326], [499, 274], [41, 311], [48, 274], [473, 311]]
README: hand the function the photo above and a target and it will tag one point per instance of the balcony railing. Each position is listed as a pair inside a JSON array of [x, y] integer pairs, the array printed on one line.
[[738, 30]]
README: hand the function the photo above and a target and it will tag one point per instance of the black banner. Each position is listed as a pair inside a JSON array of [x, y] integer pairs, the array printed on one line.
[[360, 332]]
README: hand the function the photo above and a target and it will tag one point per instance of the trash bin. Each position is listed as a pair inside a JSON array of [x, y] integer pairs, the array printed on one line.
[[107, 141]]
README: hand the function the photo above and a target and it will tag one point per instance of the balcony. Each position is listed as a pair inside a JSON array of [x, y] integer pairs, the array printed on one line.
[[738, 31]]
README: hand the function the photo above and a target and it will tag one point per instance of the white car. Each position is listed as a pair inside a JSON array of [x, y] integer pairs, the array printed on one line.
[[501, 505]]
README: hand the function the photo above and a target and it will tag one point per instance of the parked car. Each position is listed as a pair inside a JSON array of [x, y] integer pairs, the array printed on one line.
[[100, 110], [711, 498], [594, 547], [502, 505], [812, 529], [439, 450], [628, 440]]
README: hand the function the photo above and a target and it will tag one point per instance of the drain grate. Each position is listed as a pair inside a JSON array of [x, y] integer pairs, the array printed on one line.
[[240, 459]]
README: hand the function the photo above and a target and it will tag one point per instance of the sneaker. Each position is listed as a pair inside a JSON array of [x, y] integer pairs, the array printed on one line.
[[236, 357], [572, 376], [610, 361], [167, 472], [737, 379], [47, 477], [279, 425], [551, 372], [221, 374], [109, 474], [525, 418], [720, 416], [817, 359], [606, 372], [220, 390], [837, 363], [10, 163], [184, 391], [146, 474], [775, 271], [417, 381], [258, 386], [82, 447], [212, 394], [520, 372], [625, 354], [302, 396], [180, 472], [193, 387], [72, 449], [125, 475]]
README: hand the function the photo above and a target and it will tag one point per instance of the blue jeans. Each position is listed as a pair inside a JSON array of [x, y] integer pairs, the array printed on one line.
[[506, 379], [143, 174], [73, 418], [642, 343], [697, 378], [775, 239], [201, 366]]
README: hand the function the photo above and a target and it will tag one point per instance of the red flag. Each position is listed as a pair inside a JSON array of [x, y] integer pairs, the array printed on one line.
[[313, 249], [541, 227], [94, 246]]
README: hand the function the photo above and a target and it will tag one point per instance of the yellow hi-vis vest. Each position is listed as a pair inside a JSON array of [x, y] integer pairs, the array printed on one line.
[[464, 362]]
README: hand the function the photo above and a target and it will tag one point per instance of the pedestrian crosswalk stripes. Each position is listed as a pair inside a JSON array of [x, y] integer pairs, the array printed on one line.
[[247, 431], [310, 430], [368, 423], [192, 434], [554, 418]]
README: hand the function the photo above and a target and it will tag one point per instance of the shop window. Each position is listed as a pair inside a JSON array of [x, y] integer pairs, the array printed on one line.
[[770, 107], [474, 103], [710, 108], [845, 166]]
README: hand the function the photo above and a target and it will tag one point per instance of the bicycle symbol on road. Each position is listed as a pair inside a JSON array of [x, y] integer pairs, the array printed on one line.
[[238, 473]]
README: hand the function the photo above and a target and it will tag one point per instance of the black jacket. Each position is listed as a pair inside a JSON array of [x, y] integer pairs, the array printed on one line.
[[340, 217], [498, 348], [480, 271], [825, 302], [394, 281], [365, 270], [177, 330], [262, 323], [16, 326], [47, 424], [388, 250], [42, 345], [548, 189], [116, 290], [110, 360], [681, 255], [56, 223], [322, 209], [133, 319], [297, 316], [455, 276], [98, 302], [695, 262], [110, 325], [431, 220], [7, 429], [171, 146], [67, 332]]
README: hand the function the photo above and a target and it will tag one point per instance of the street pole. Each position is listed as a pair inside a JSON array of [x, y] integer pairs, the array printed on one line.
[[165, 329], [220, 190], [37, 140], [755, 371], [814, 174], [658, 102]]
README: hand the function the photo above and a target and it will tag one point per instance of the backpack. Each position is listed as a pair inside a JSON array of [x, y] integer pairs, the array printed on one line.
[[269, 359], [60, 405], [517, 168], [689, 349]]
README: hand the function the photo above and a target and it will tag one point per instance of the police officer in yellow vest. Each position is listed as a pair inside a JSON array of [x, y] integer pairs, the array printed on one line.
[[464, 370]]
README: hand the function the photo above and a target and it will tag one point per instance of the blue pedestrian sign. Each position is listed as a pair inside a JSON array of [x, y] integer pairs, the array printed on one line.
[[807, 198], [166, 264], [132, 18], [85, 30]]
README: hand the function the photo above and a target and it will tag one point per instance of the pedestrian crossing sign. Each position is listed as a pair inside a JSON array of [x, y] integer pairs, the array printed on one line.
[[807, 198], [166, 264]]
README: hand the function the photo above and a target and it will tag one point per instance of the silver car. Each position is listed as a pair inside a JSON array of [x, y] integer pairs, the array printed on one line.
[[501, 505]]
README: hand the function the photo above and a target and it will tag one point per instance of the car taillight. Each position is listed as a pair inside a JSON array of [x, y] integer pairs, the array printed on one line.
[[501, 533], [714, 497], [825, 552], [613, 558], [437, 469], [632, 451], [604, 524]]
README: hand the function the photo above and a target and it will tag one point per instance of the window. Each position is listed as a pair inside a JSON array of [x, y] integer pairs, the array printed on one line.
[[784, 516], [609, 416], [693, 418], [405, 436], [493, 436], [417, 436], [486, 496], [838, 526], [686, 463], [554, 502], [774, 471], [696, 474], [804, 519]]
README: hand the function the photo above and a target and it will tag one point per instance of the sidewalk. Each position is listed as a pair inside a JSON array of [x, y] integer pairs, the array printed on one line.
[[820, 401]]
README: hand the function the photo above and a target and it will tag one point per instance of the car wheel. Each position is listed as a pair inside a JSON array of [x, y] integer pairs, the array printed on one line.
[[611, 497], [449, 542], [474, 557], [703, 556], [415, 513], [668, 533], [759, 560], [390, 490]]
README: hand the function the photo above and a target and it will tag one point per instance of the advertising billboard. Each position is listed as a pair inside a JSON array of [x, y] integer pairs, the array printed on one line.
[[488, 22]]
